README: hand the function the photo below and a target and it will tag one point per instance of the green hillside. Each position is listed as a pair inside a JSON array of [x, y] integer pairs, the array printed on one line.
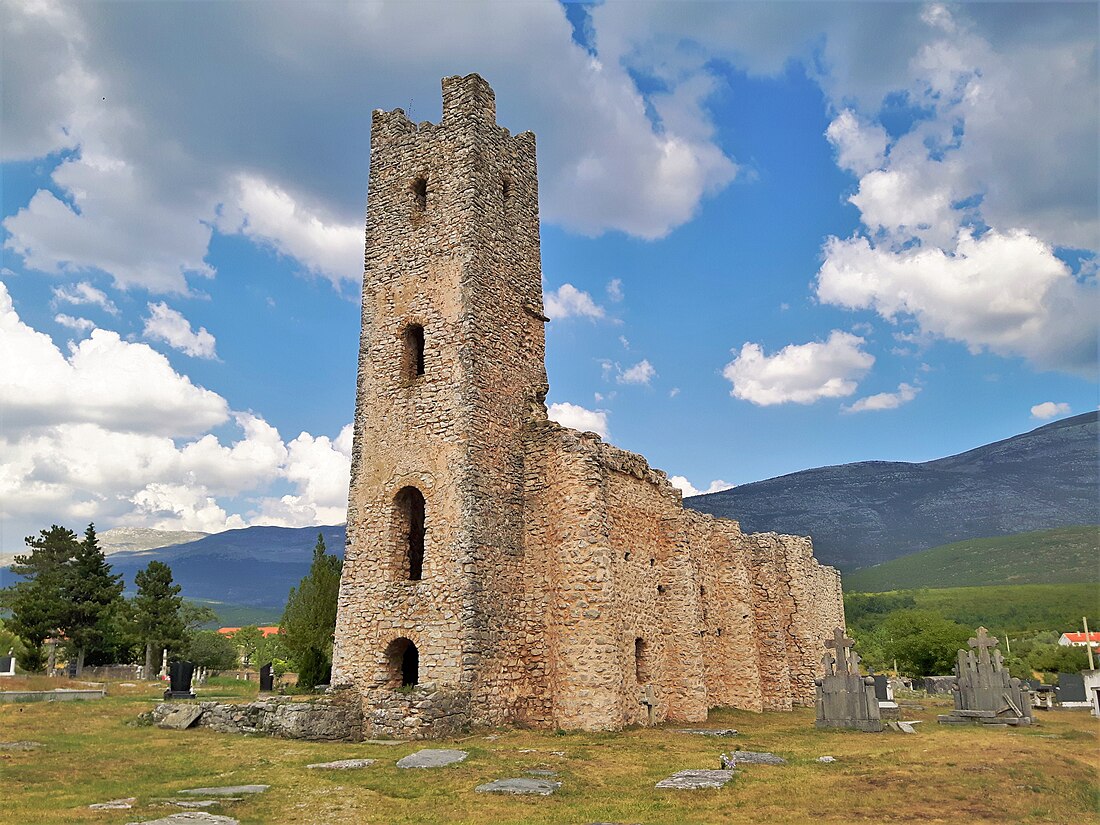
[[1067, 555]]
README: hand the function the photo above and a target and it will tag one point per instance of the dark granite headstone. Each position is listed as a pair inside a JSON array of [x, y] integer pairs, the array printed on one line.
[[179, 676], [267, 679], [1071, 688], [985, 693], [72, 669], [7, 664], [882, 688]]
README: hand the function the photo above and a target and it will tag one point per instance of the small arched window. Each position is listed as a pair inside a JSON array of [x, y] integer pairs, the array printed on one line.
[[403, 661], [410, 520], [419, 188], [413, 356]]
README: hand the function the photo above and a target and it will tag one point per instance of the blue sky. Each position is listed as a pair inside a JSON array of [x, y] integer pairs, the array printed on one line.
[[775, 236]]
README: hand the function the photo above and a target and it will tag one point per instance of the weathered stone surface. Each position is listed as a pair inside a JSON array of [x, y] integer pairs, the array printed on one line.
[[190, 818], [541, 772], [21, 745], [343, 764], [114, 804], [696, 780], [826, 759], [181, 718], [984, 691], [206, 803], [540, 576], [845, 697], [432, 758], [756, 758], [536, 787], [227, 790], [709, 732], [333, 717]]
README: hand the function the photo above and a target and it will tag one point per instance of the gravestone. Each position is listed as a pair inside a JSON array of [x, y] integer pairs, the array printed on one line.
[[267, 679], [71, 673], [1071, 690], [985, 693], [7, 665], [846, 698], [179, 675], [884, 691]]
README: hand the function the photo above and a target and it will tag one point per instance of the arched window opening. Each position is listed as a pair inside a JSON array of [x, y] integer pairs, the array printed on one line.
[[420, 193], [410, 511], [414, 351], [641, 660], [403, 660]]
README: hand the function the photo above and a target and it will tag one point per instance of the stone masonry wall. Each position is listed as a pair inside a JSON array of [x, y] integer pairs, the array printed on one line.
[[563, 583]]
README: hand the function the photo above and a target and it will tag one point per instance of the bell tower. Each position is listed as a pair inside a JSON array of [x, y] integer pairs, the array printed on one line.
[[451, 369]]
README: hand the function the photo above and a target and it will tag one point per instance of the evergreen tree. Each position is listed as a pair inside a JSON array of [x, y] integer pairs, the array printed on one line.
[[157, 613], [309, 619], [37, 602], [91, 595]]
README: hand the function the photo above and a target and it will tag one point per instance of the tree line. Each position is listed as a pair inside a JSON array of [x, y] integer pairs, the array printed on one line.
[[69, 596]]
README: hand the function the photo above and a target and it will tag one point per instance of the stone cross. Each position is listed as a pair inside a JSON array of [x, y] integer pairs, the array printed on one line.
[[984, 642], [828, 663], [841, 643]]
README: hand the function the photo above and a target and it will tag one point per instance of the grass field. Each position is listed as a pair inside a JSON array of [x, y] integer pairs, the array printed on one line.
[[1064, 556], [93, 752]]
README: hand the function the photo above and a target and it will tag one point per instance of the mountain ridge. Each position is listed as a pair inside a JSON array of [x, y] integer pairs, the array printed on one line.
[[868, 512]]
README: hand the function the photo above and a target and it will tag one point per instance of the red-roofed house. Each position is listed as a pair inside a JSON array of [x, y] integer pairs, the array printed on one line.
[[266, 631], [1077, 639]]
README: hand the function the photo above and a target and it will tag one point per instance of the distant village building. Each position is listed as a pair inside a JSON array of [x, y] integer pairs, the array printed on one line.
[[1077, 639], [270, 630], [500, 568]]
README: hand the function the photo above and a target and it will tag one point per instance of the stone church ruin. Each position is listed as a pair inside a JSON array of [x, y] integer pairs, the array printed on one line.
[[502, 569]]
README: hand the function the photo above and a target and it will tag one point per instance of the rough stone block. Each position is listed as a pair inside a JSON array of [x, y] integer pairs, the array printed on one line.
[[693, 780]]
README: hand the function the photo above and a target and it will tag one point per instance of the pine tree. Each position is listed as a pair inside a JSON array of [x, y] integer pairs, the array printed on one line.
[[309, 619], [90, 593], [157, 608], [37, 602]]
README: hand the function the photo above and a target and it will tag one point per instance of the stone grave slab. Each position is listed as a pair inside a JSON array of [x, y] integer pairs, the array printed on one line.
[[22, 745], [825, 759], [541, 772], [115, 804], [181, 718], [432, 758], [693, 780], [206, 803], [343, 764], [228, 790], [708, 731], [190, 818], [522, 785]]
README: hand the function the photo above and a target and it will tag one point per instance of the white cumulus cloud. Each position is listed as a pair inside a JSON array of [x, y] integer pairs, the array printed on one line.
[[567, 301], [884, 400], [83, 293], [1050, 409], [799, 373], [688, 489], [641, 373], [579, 418], [75, 324], [168, 325]]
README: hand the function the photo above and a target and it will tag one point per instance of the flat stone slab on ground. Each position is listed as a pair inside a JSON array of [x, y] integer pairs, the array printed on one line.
[[182, 718], [709, 731], [228, 790], [756, 758], [384, 741], [695, 780], [343, 764], [114, 804], [537, 787], [826, 759], [190, 818], [23, 745], [541, 772], [432, 758], [205, 803]]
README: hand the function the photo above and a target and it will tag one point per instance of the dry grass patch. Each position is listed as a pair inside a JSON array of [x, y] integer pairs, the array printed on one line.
[[93, 752]]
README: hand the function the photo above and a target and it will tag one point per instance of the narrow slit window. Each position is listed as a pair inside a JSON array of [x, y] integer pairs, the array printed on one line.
[[411, 513], [420, 193], [414, 351], [641, 661]]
